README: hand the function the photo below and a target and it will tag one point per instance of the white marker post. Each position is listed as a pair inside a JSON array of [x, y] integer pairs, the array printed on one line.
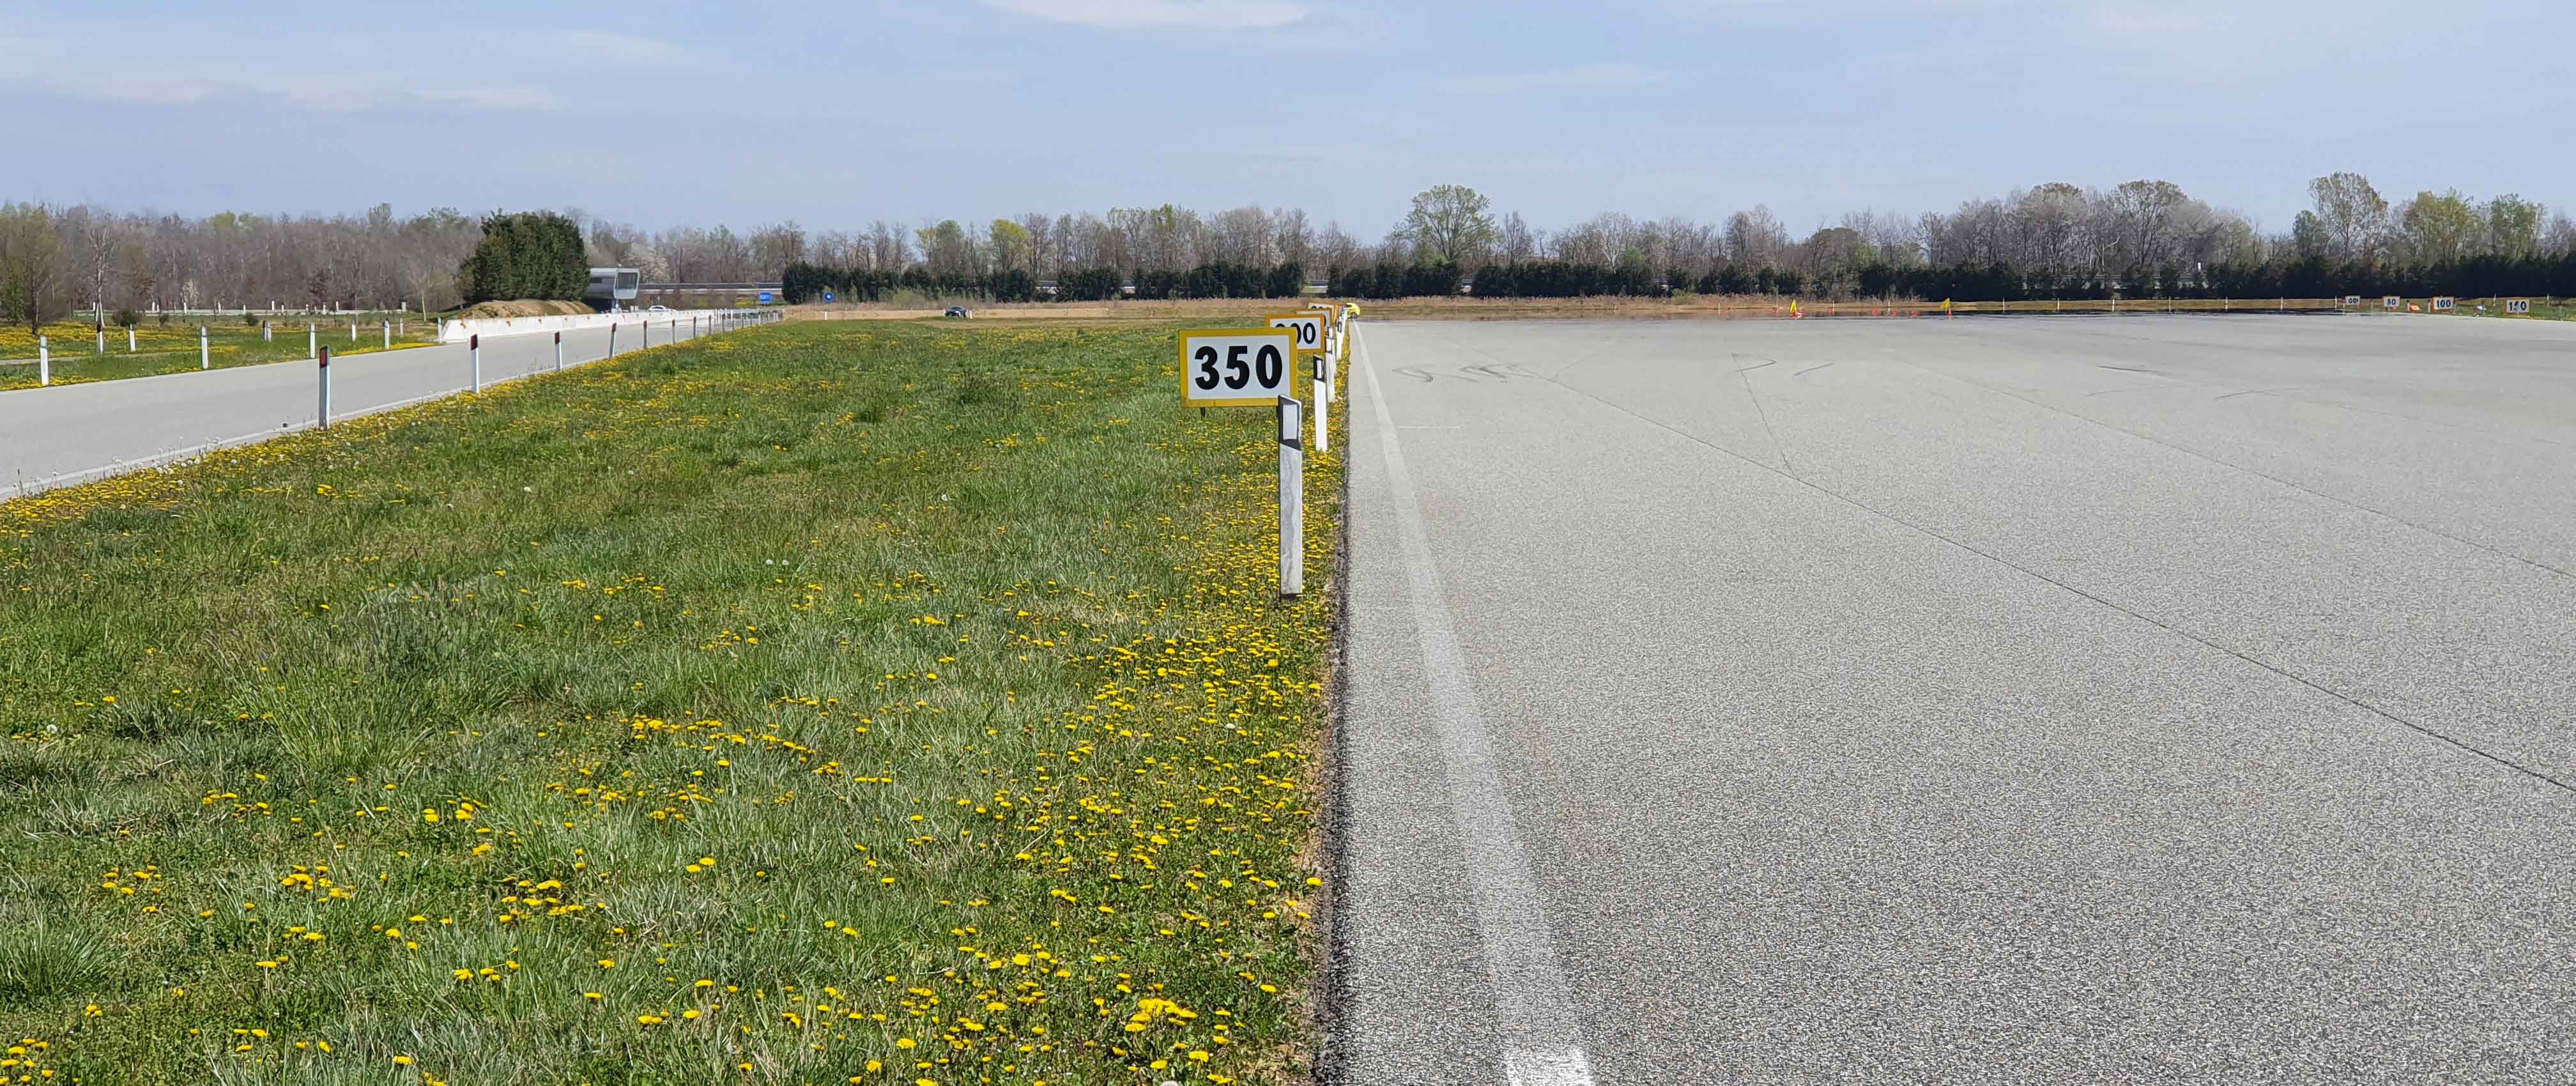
[[612, 340], [102, 339], [474, 347], [322, 414], [389, 335], [44, 361], [353, 331], [267, 332], [312, 340], [1323, 372], [1292, 500], [558, 351], [129, 339], [205, 355]]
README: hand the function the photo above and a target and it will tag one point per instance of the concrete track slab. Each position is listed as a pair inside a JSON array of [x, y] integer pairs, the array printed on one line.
[[2156, 699]]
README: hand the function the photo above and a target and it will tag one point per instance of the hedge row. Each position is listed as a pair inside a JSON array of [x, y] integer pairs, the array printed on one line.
[[806, 282], [1388, 280], [2477, 277], [530, 255]]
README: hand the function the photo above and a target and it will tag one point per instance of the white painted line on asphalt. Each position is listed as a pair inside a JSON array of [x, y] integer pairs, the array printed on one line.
[[1542, 1046], [1547, 1067]]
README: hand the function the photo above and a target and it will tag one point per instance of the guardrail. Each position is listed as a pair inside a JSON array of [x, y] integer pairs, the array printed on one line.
[[458, 331]]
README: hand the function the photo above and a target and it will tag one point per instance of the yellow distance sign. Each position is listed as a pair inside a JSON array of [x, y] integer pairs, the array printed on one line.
[[1237, 367], [1309, 327]]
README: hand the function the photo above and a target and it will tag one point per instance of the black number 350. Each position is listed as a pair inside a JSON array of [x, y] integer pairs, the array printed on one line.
[[1266, 364]]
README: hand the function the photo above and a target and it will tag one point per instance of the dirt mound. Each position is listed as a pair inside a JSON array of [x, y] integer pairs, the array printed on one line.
[[524, 309]]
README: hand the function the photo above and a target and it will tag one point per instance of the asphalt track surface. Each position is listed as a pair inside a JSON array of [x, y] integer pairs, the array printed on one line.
[[2082, 700], [72, 433]]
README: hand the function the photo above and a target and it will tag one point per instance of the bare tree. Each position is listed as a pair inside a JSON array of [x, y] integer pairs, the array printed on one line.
[[2352, 212], [1336, 249], [1240, 236], [2559, 239], [1514, 242], [1291, 238], [1755, 239]]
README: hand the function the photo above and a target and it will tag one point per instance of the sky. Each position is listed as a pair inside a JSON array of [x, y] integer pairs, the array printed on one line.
[[833, 115]]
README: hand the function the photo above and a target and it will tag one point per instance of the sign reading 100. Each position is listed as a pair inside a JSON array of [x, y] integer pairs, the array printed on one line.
[[1236, 367]]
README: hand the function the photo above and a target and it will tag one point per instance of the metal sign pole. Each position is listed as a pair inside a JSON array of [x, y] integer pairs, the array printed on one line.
[[1292, 500]]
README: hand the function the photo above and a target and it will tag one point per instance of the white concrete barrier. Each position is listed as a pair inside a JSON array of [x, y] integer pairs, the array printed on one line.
[[457, 331]]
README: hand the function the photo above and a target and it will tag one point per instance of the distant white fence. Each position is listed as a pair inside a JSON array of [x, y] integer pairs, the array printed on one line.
[[705, 320]]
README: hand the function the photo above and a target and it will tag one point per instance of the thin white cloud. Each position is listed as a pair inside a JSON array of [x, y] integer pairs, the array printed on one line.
[[496, 99], [321, 93], [1133, 14], [1581, 77], [629, 48]]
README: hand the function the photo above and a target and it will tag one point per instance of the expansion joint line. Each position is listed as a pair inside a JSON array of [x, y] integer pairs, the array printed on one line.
[[2464, 745], [1743, 375], [2266, 476]]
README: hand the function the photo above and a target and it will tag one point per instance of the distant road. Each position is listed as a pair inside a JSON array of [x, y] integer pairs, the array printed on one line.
[[69, 434], [1982, 701]]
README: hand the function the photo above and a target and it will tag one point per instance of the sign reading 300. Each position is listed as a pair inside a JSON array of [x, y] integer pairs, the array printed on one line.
[[1237, 367]]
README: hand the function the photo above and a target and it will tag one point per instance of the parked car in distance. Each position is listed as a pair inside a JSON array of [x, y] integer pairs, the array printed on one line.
[[955, 311], [657, 309]]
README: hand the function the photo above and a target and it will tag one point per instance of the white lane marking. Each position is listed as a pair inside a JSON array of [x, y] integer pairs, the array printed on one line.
[[1547, 1067], [1541, 1044]]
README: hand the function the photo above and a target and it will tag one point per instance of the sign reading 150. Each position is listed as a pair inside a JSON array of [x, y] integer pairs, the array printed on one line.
[[1236, 367]]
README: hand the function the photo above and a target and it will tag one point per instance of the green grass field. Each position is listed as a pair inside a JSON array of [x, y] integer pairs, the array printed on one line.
[[172, 348], [825, 703]]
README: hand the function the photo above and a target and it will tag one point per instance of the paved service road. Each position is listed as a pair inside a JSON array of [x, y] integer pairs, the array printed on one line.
[[2102, 700], [70, 433]]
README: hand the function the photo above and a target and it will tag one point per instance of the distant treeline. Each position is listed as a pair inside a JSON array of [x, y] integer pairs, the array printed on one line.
[[2304, 277], [804, 282]]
